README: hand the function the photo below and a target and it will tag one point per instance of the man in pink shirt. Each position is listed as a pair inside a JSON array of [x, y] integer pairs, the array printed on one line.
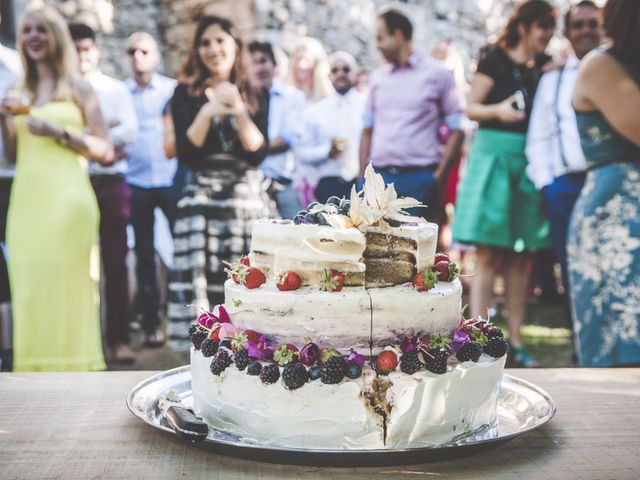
[[410, 96]]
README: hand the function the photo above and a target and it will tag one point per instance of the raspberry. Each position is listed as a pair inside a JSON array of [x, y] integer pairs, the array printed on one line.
[[410, 363], [436, 362], [241, 358], [496, 347], [209, 347], [220, 362], [333, 370], [270, 374], [294, 375], [469, 351]]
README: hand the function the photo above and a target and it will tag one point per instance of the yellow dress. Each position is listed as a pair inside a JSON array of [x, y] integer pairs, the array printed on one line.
[[52, 230]]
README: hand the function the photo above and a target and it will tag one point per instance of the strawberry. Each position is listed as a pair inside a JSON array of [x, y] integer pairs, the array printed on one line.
[[288, 280], [286, 354], [252, 335], [331, 281], [386, 362], [424, 281], [244, 260], [440, 257], [446, 271], [254, 278]]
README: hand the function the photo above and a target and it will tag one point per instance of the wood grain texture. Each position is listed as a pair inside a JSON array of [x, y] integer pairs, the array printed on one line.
[[76, 426]]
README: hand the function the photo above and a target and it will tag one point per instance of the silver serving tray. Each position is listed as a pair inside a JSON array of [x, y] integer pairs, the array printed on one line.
[[522, 407]]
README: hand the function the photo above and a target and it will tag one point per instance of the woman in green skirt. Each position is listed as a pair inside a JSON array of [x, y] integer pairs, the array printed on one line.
[[498, 208]]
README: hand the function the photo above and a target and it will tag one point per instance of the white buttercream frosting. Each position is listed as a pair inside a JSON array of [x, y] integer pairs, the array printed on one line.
[[343, 319], [425, 408]]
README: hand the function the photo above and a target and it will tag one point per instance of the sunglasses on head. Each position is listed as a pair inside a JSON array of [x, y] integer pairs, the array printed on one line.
[[345, 69], [132, 51], [547, 24], [579, 24]]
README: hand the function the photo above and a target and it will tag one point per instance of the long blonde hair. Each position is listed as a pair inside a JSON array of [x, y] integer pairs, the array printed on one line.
[[61, 54], [322, 86]]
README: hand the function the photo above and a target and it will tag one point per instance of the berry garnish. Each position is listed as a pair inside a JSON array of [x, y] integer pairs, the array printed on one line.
[[424, 281], [288, 280], [386, 362], [331, 280]]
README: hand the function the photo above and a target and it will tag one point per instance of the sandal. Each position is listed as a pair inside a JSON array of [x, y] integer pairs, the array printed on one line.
[[522, 359]]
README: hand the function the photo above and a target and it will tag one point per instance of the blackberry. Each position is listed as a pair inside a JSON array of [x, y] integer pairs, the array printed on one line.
[[437, 364], [241, 358], [220, 362], [209, 347], [294, 375], [469, 351], [254, 368], [496, 347], [270, 373], [192, 329], [315, 373], [492, 332], [197, 338], [333, 370], [225, 344], [353, 370], [410, 363]]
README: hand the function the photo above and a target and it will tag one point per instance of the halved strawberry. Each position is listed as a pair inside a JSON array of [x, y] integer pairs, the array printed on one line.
[[386, 362], [288, 280], [424, 281], [331, 280]]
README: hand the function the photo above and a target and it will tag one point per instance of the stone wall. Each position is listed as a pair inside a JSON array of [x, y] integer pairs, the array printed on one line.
[[339, 24]]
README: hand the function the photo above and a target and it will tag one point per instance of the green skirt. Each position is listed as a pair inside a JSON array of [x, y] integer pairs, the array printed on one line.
[[497, 204]]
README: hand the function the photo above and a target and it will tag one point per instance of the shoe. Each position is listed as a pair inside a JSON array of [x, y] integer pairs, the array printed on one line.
[[122, 353], [522, 359], [155, 339]]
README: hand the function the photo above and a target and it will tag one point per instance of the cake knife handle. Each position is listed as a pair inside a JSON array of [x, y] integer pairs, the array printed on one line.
[[186, 425]]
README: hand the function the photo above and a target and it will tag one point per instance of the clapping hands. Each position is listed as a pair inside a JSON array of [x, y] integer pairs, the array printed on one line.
[[224, 101]]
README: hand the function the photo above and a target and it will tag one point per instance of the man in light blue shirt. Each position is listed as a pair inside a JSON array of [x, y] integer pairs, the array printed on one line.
[[286, 105], [150, 173]]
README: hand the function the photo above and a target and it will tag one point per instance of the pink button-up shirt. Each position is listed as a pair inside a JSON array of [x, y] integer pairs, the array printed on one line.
[[406, 105]]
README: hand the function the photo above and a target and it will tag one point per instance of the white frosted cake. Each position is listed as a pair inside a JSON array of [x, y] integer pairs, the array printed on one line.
[[342, 330]]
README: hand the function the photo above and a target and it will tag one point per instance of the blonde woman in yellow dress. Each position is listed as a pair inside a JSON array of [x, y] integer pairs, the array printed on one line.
[[49, 127]]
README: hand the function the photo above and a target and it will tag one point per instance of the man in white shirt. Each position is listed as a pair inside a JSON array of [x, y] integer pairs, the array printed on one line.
[[112, 191], [556, 162], [285, 105], [10, 74], [331, 134]]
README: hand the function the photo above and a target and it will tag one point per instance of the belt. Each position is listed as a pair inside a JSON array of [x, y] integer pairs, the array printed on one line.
[[400, 170], [106, 178]]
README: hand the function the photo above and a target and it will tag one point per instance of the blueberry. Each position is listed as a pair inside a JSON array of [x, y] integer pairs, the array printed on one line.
[[353, 370], [395, 223], [345, 205], [314, 373], [301, 213], [311, 218], [254, 368], [297, 220], [322, 219], [333, 201], [313, 205]]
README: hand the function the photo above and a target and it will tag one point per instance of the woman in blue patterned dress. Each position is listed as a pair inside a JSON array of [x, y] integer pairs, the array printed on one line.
[[604, 236]]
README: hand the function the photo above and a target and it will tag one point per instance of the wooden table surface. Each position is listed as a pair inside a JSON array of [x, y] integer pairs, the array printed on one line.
[[77, 426]]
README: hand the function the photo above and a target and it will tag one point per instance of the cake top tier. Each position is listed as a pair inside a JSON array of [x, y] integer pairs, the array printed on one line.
[[370, 239]]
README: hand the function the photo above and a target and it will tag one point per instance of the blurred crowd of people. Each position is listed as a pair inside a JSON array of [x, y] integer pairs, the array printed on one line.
[[553, 162]]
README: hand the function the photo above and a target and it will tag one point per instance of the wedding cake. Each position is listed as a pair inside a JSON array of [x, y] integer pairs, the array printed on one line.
[[342, 329]]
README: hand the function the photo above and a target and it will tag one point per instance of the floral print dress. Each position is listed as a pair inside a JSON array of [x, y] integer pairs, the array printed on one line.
[[604, 248]]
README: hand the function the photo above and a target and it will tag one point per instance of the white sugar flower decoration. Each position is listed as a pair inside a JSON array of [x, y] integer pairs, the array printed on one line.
[[359, 214], [384, 202]]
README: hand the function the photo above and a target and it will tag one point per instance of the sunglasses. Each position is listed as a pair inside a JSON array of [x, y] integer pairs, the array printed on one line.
[[579, 24], [345, 69], [132, 51], [546, 24]]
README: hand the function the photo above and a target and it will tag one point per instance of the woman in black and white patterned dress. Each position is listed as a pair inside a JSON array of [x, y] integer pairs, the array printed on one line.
[[218, 122]]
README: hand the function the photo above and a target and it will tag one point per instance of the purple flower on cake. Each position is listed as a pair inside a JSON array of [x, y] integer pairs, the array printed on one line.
[[459, 340], [310, 353], [408, 343], [219, 314], [262, 349], [355, 357]]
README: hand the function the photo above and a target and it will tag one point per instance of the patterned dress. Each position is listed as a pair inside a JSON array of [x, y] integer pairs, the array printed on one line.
[[604, 248]]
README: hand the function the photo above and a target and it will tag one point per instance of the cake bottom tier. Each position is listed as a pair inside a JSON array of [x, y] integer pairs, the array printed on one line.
[[371, 412]]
